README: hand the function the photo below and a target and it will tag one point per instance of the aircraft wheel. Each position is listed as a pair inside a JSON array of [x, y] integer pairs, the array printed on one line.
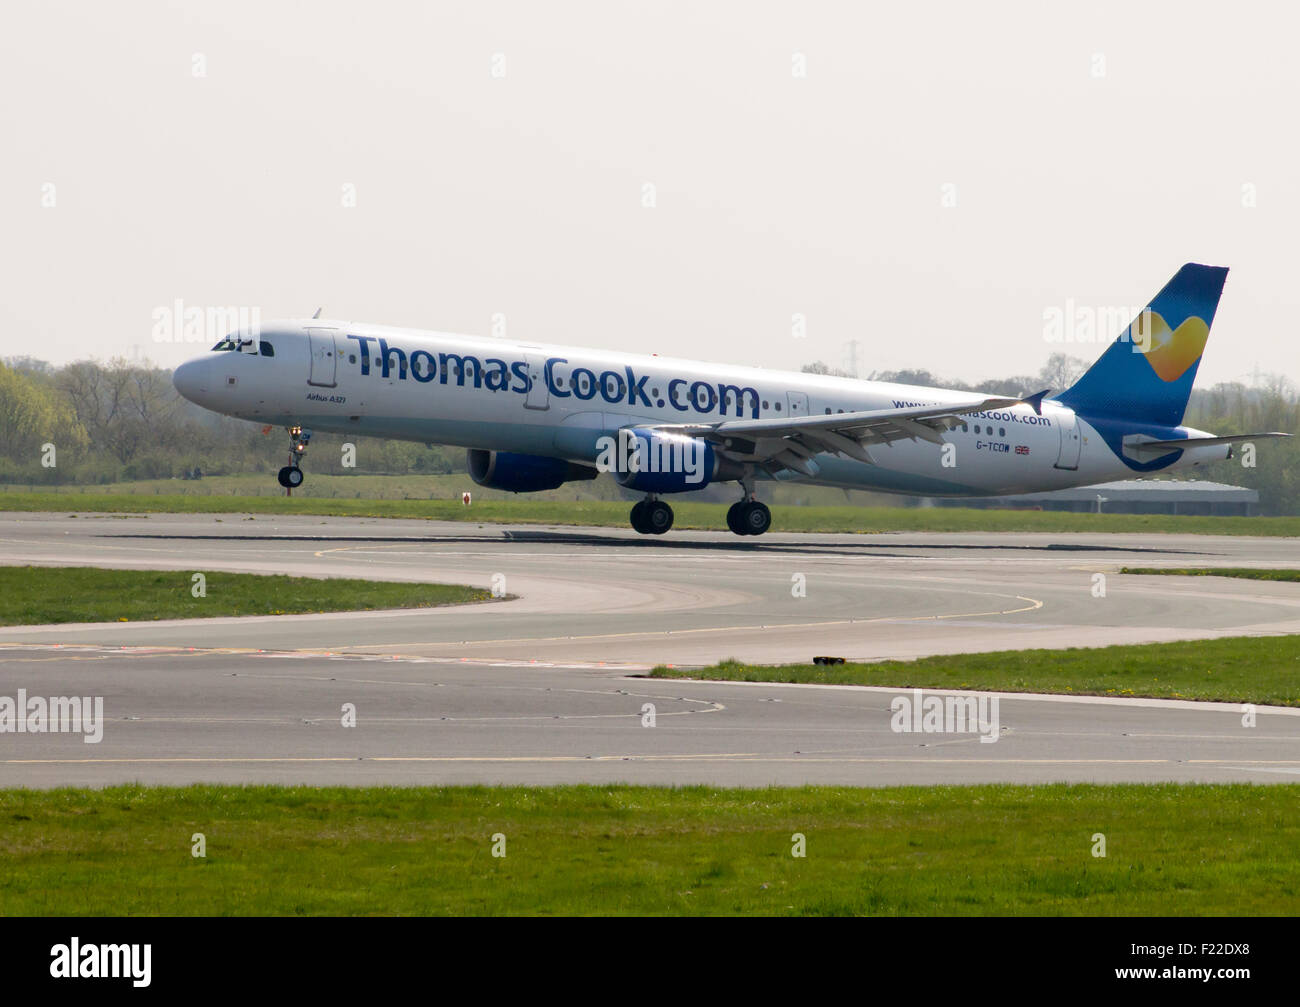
[[638, 517], [657, 517], [290, 477], [733, 518], [754, 518]]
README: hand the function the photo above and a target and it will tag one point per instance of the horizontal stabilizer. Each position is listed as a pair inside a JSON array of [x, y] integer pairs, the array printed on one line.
[[1152, 448]]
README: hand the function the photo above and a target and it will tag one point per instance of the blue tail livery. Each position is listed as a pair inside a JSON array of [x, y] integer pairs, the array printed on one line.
[[1146, 375]]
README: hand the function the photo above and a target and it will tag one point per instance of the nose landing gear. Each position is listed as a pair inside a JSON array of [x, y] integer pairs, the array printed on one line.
[[290, 476]]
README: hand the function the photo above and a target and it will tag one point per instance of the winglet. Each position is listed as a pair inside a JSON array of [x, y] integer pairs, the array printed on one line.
[[317, 315], [1036, 400]]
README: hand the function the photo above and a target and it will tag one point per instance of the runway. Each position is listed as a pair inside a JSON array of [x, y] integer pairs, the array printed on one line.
[[540, 688]]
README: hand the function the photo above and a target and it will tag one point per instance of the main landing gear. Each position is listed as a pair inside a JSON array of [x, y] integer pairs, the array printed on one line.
[[746, 517], [290, 477], [652, 516], [749, 517]]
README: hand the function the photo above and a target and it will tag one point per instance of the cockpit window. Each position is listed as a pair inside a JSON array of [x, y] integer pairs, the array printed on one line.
[[267, 349], [234, 344]]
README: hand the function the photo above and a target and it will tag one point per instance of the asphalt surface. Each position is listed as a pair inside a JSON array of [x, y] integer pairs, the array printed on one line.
[[544, 688]]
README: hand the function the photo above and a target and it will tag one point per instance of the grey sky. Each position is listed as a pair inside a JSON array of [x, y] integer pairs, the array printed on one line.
[[1093, 148]]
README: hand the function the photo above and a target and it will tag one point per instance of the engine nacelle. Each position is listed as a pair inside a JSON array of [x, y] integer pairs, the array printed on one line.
[[653, 462], [514, 473]]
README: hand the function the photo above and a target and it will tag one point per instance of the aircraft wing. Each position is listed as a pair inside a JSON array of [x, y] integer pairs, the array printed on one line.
[[791, 441]]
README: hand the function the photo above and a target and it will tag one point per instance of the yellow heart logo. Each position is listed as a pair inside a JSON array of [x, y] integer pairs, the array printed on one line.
[[1170, 354]]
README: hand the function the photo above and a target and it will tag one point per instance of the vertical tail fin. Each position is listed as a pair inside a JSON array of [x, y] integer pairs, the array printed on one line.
[[1146, 375]]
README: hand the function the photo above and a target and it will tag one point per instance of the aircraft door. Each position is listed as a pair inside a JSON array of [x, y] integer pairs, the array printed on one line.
[[1068, 424], [324, 358], [798, 404], [539, 395]]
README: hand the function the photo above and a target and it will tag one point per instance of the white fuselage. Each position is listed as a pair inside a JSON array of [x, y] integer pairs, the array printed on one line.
[[504, 395]]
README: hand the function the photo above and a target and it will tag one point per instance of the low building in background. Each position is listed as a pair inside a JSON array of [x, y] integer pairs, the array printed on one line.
[[1131, 496]]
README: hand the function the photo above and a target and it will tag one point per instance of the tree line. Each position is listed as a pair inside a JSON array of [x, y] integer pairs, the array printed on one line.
[[122, 420]]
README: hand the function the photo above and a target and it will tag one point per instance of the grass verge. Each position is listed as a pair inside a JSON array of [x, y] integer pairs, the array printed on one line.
[[34, 595], [1237, 669], [985, 850], [612, 513], [1249, 573]]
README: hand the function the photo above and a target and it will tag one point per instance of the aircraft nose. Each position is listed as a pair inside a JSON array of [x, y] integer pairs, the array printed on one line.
[[190, 379]]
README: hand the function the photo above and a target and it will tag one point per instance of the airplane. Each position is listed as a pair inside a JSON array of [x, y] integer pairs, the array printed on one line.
[[535, 416]]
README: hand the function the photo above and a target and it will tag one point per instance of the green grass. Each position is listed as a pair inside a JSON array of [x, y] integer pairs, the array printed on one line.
[[424, 486], [1249, 573], [614, 513], [638, 850], [1238, 669], [32, 595]]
